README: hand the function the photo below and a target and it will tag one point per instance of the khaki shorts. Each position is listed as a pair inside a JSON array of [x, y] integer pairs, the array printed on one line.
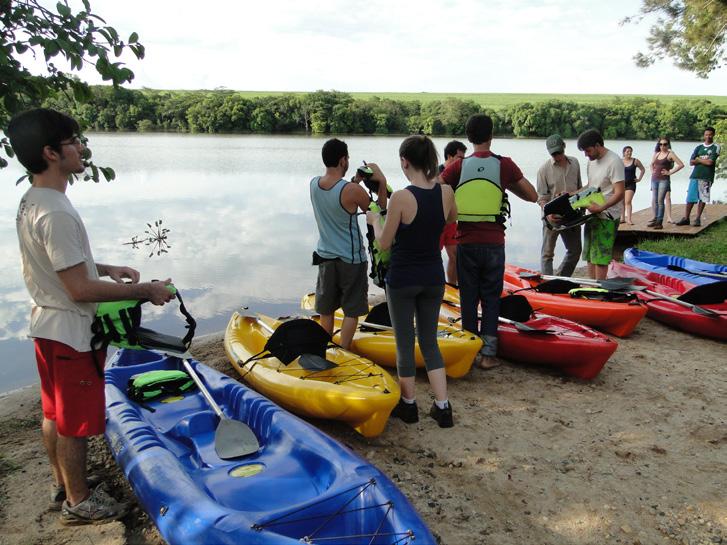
[[599, 237], [342, 285]]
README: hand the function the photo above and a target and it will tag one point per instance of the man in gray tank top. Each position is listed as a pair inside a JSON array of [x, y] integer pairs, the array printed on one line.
[[340, 253]]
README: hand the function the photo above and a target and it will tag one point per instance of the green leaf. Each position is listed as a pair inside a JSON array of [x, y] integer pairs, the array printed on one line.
[[63, 10], [94, 171], [9, 150], [133, 37], [3, 163]]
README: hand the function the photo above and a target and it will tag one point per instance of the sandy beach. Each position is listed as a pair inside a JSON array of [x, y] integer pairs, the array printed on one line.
[[636, 456]]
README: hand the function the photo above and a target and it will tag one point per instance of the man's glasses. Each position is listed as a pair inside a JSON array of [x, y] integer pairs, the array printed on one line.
[[75, 141]]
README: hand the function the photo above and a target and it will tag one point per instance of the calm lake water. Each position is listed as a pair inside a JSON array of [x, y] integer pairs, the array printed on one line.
[[241, 226]]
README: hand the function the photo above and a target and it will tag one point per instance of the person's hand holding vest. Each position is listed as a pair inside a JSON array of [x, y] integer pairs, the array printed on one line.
[[159, 293]]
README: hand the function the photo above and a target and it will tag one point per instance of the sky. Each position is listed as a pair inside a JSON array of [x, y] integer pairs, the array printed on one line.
[[442, 46]]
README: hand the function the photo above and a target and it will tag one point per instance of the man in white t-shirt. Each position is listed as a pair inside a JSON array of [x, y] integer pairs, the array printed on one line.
[[63, 281], [605, 171]]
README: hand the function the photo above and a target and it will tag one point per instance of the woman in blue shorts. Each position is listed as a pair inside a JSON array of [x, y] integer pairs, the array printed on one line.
[[664, 164]]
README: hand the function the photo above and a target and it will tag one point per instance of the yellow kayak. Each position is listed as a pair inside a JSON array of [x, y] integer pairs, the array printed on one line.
[[334, 384], [377, 343]]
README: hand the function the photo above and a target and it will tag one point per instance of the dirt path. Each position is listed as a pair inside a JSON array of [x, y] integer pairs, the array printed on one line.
[[637, 456]]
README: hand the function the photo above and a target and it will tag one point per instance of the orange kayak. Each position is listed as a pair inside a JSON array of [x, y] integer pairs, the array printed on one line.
[[618, 319]]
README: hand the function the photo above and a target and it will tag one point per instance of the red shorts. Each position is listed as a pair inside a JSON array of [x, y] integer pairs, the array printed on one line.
[[449, 235], [71, 392]]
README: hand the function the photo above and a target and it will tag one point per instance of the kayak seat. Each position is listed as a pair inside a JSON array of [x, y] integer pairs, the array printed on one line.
[[159, 341], [516, 308], [379, 314], [297, 337]]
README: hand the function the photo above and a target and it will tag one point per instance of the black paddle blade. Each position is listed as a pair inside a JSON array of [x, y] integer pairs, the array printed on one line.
[[296, 337], [706, 294], [313, 362], [234, 439]]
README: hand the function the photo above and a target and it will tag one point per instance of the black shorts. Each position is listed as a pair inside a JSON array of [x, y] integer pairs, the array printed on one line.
[[630, 186]]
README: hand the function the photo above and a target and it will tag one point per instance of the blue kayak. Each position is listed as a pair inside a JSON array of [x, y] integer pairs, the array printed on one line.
[[696, 272], [301, 486]]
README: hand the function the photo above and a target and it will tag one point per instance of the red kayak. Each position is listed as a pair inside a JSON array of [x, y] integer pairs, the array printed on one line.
[[618, 319], [569, 347], [669, 313]]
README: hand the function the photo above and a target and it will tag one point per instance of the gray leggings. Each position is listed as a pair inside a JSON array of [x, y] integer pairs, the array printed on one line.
[[404, 303]]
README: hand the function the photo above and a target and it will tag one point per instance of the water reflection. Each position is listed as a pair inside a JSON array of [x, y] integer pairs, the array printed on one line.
[[241, 225]]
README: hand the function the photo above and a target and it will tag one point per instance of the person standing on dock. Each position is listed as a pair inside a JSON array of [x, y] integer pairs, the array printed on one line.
[[631, 165], [340, 253], [664, 164], [452, 151], [559, 174], [480, 182], [704, 159], [64, 283], [606, 172]]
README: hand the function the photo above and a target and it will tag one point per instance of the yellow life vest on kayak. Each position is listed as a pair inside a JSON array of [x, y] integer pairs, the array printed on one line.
[[479, 194]]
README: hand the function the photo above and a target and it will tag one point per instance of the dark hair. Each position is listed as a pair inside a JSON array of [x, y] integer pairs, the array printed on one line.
[[451, 149], [710, 129], [332, 152], [589, 138], [31, 131], [625, 148], [656, 148], [419, 150], [479, 128]]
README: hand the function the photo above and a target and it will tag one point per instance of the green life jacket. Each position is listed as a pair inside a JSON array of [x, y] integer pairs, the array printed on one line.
[[118, 323], [152, 385], [479, 194], [586, 197], [380, 258], [602, 294]]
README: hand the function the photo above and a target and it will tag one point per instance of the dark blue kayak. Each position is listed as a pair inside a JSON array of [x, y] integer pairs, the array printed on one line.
[[696, 272], [301, 486]]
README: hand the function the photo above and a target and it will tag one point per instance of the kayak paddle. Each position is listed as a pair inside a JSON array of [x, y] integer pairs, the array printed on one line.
[[623, 284], [518, 325], [719, 276], [233, 438]]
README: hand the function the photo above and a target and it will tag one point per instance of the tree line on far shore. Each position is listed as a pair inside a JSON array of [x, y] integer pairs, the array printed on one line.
[[333, 112]]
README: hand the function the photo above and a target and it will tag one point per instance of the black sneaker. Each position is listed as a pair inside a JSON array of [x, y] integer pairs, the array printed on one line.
[[683, 221], [407, 412], [442, 416], [651, 222]]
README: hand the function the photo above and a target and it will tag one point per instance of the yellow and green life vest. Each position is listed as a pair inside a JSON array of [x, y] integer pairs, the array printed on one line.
[[479, 194]]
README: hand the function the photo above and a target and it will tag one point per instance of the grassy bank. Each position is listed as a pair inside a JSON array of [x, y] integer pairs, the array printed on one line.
[[710, 246], [501, 100]]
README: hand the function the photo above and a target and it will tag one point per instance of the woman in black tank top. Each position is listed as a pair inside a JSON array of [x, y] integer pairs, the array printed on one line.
[[664, 164], [415, 280], [631, 164]]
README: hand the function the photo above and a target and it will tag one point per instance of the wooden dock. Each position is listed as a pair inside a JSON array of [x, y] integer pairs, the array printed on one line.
[[713, 213]]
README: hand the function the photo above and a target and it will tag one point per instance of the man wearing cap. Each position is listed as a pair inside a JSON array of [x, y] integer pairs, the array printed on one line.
[[559, 174]]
